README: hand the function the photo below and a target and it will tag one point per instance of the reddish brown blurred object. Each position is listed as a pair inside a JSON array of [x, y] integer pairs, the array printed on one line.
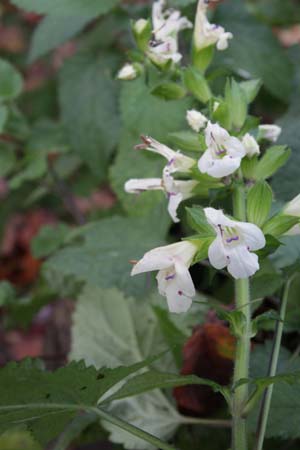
[[209, 353], [17, 264], [30, 17], [288, 36], [12, 39], [103, 198]]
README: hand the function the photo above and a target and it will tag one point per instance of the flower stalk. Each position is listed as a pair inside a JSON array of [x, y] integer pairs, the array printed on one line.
[[241, 367]]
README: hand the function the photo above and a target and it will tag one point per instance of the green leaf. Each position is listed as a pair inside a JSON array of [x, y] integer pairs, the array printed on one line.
[[49, 239], [285, 409], [268, 61], [67, 7], [11, 83], [196, 83], [31, 396], [275, 12], [7, 158], [103, 257], [259, 202], [53, 31], [3, 117], [173, 336], [143, 113], [89, 109], [185, 140], [169, 91], [74, 429], [274, 158], [18, 438], [286, 184], [251, 89], [237, 103], [154, 379], [280, 224], [108, 328], [198, 222], [266, 282]]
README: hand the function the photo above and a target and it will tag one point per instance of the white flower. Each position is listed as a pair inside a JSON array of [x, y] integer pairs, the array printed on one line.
[[233, 244], [128, 72], [177, 162], [162, 51], [269, 132], [251, 146], [205, 33], [196, 120], [176, 190], [174, 279], [293, 209], [224, 153], [166, 26], [167, 23]]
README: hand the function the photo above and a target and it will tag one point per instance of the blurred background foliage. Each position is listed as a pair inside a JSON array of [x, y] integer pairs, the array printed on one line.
[[67, 131]]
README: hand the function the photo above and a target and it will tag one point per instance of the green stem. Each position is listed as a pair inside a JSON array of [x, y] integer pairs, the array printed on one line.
[[157, 443], [266, 400], [242, 355]]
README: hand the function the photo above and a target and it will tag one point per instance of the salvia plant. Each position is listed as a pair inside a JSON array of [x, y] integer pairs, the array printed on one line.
[[225, 157]]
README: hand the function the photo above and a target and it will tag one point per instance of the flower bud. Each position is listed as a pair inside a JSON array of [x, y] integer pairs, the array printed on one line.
[[142, 33], [251, 146], [128, 72], [196, 120], [269, 132], [293, 209]]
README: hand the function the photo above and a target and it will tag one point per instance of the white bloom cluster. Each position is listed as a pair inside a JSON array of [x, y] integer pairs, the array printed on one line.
[[167, 24], [176, 190]]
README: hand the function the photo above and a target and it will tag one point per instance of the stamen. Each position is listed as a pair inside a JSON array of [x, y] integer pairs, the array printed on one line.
[[180, 293], [234, 238], [133, 261], [170, 277]]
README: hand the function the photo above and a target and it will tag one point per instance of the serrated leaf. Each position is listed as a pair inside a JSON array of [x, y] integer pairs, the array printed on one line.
[[103, 257], [67, 7], [88, 103], [114, 332], [143, 113], [53, 31], [30, 395]]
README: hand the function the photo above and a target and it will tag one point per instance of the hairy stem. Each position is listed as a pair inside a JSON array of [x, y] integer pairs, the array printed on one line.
[[241, 367], [267, 397]]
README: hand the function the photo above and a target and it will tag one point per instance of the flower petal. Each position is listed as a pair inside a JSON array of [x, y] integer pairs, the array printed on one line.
[[137, 185], [235, 147], [171, 285], [223, 167], [174, 202], [216, 254], [252, 235], [242, 263], [184, 278], [156, 259], [216, 217]]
